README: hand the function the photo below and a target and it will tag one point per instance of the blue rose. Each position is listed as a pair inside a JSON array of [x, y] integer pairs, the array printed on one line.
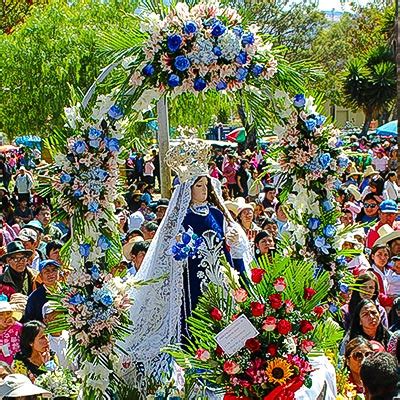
[[173, 80], [241, 58], [329, 231], [310, 124], [94, 133], [337, 184], [238, 31], [333, 308], [112, 144], [218, 29], [95, 143], [319, 120], [115, 112], [247, 38], [190, 27], [106, 298], [174, 42], [314, 224], [148, 70], [104, 243], [343, 162], [101, 174], [299, 100], [76, 299], [327, 206], [341, 260], [343, 287], [65, 178], [221, 85], [217, 51], [93, 206], [257, 70], [95, 272], [79, 147], [339, 143], [186, 238], [324, 160], [241, 74], [181, 63], [199, 84], [78, 193], [84, 250]]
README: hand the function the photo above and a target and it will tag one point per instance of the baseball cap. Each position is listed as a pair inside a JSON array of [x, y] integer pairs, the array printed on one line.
[[388, 206], [46, 263], [35, 224]]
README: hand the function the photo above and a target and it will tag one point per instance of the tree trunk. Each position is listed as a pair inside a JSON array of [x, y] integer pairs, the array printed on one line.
[[251, 132], [367, 122]]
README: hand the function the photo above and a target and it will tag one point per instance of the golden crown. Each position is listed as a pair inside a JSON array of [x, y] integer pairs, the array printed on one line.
[[189, 158]]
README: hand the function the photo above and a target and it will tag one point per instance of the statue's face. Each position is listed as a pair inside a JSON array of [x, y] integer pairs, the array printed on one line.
[[200, 191]]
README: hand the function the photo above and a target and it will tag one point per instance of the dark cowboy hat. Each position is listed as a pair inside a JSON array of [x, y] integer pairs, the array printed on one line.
[[15, 247]]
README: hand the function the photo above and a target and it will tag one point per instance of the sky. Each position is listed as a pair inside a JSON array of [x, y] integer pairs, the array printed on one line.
[[327, 5]]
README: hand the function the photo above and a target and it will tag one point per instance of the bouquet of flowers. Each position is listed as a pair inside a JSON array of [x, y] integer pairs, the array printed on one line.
[[283, 302], [62, 383], [196, 49]]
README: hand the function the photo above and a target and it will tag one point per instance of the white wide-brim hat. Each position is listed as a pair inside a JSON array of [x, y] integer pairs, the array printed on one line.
[[18, 385], [386, 234]]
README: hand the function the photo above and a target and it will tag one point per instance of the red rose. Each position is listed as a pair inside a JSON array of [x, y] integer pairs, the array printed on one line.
[[218, 351], [289, 306], [240, 295], [284, 327], [202, 355], [257, 309], [231, 368], [280, 284], [276, 301], [230, 396], [216, 314], [235, 316], [319, 310], [272, 349], [269, 324], [257, 275], [305, 327], [306, 345], [309, 293], [253, 345]]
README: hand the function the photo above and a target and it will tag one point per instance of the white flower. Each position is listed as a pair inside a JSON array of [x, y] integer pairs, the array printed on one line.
[[73, 116], [145, 101], [103, 104], [309, 107]]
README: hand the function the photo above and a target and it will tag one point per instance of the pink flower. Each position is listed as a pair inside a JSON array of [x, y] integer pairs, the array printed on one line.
[[231, 368], [306, 345], [289, 306], [269, 324], [240, 295], [202, 355], [279, 284]]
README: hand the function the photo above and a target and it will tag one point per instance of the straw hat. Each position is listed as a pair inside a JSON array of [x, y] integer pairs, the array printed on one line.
[[386, 234], [127, 247], [353, 171], [353, 190], [5, 306], [232, 207], [370, 171]]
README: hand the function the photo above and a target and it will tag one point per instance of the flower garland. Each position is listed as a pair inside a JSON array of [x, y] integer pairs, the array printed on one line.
[[196, 49], [283, 302], [310, 160]]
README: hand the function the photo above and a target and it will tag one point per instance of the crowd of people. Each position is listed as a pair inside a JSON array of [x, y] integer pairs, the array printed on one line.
[[31, 240]]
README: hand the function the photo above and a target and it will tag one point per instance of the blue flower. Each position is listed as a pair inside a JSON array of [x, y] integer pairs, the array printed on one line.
[[341, 260], [186, 238], [95, 272], [314, 224], [221, 85], [104, 243], [238, 31], [199, 84], [247, 38], [78, 193], [319, 120], [95, 143], [339, 143], [218, 29], [322, 245], [93, 206], [343, 287], [241, 58], [173, 80], [343, 162], [241, 74], [148, 70], [94, 133], [174, 42], [115, 112], [324, 160], [190, 27], [112, 144], [84, 250], [101, 174], [337, 184], [217, 51], [257, 70], [333, 308], [329, 231], [319, 269], [79, 147], [106, 299], [299, 100], [327, 206], [76, 299], [181, 63], [310, 124], [65, 178]]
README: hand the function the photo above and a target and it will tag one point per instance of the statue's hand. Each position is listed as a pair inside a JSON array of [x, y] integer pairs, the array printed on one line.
[[232, 235]]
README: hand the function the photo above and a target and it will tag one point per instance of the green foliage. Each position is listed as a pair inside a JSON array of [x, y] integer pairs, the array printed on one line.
[[53, 50]]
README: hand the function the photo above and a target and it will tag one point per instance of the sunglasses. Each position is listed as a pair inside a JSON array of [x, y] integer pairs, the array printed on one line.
[[359, 355], [370, 205]]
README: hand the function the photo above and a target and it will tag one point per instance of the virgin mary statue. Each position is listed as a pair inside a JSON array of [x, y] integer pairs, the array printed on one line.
[[195, 232]]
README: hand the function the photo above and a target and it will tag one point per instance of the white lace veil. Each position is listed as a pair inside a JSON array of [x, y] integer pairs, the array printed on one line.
[[156, 309]]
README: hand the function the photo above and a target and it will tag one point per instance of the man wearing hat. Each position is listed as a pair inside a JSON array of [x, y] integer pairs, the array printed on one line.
[[388, 212], [29, 239], [49, 271], [18, 275], [161, 208], [19, 386]]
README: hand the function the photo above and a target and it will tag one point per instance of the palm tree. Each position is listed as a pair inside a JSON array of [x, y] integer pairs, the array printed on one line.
[[370, 83]]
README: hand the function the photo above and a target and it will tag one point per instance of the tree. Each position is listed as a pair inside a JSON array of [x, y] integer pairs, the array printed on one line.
[[370, 83], [52, 51]]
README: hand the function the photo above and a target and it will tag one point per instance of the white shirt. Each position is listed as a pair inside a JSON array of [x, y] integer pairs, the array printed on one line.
[[391, 191], [59, 345], [393, 284], [380, 164], [23, 183]]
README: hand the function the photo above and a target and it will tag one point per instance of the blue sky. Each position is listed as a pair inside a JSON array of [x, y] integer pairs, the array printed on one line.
[[327, 5]]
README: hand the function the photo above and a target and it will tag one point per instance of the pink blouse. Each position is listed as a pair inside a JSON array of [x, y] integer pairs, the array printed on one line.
[[10, 343]]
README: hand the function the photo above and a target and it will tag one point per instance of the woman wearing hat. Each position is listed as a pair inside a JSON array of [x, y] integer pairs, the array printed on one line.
[[369, 173]]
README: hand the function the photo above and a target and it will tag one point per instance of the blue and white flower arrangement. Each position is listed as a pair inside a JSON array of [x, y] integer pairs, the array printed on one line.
[[187, 245]]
